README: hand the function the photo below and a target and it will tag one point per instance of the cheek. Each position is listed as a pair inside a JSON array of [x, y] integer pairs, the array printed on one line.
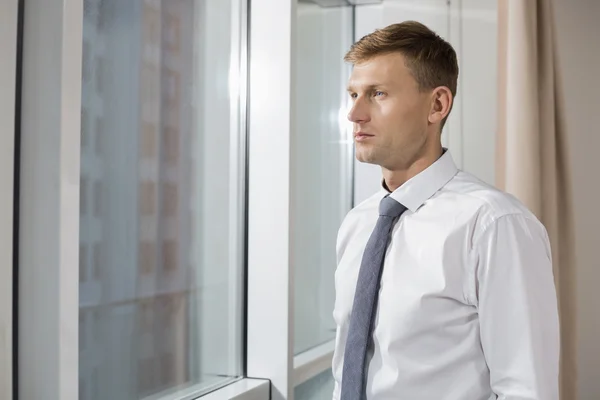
[[413, 116], [403, 118]]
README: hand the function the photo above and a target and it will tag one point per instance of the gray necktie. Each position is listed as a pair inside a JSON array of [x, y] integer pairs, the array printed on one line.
[[365, 301]]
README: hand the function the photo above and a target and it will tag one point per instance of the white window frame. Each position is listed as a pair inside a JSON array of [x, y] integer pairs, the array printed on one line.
[[49, 200], [270, 278], [49, 207], [9, 12], [270, 338]]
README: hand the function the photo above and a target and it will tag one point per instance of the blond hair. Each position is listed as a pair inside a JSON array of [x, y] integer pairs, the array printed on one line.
[[430, 59]]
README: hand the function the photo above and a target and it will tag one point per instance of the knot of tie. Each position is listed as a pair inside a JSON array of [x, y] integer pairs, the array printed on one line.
[[390, 207]]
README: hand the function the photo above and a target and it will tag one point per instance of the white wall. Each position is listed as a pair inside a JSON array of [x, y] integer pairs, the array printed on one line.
[[470, 26], [577, 33], [473, 32]]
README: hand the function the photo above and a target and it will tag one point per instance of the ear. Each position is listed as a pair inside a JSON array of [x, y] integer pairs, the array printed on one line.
[[441, 103]]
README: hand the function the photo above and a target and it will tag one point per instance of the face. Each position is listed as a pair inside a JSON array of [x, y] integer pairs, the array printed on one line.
[[390, 114]]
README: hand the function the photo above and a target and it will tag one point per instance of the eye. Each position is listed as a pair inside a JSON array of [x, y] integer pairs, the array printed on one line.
[[378, 93], [353, 95]]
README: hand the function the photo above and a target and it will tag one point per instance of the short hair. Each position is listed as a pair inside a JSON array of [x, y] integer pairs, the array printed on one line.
[[431, 60]]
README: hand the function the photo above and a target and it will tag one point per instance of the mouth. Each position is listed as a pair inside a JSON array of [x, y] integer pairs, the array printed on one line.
[[362, 136]]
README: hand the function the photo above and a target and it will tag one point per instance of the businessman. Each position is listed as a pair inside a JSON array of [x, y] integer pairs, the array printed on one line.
[[444, 285]]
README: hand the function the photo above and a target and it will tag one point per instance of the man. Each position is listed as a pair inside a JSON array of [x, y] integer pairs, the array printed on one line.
[[444, 285]]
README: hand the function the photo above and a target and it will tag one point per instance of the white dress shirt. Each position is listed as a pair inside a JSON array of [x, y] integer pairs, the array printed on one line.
[[467, 307]]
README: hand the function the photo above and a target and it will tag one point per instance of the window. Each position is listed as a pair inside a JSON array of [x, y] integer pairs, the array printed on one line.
[[146, 375], [169, 251], [170, 199], [169, 369], [83, 196], [163, 299], [99, 135], [82, 331], [147, 198], [83, 263], [173, 33], [148, 140], [99, 257], [159, 127], [85, 130], [171, 145], [98, 71], [82, 390], [85, 64], [322, 167], [98, 196], [147, 257]]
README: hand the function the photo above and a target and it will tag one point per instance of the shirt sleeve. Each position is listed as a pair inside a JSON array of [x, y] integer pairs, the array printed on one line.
[[337, 364], [518, 310], [336, 390]]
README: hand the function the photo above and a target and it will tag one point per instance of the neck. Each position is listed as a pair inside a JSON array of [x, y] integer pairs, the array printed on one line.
[[394, 178]]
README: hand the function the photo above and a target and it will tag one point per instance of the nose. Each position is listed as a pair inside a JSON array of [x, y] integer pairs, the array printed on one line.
[[359, 113]]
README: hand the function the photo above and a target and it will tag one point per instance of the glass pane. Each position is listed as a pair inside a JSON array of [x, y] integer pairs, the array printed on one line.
[[321, 166], [319, 387], [161, 234]]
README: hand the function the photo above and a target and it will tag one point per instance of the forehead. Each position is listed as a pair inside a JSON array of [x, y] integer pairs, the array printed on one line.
[[386, 69]]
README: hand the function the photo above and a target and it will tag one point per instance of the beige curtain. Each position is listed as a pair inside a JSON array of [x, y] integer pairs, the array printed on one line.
[[531, 158]]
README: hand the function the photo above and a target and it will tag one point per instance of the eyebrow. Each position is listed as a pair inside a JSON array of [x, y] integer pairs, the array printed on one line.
[[350, 88]]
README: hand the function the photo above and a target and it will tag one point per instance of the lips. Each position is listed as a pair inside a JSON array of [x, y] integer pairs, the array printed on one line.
[[362, 136]]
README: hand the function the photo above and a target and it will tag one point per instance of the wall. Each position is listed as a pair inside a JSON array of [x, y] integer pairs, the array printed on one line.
[[577, 33], [470, 26]]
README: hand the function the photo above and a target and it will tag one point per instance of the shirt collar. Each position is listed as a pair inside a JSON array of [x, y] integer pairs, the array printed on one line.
[[414, 192]]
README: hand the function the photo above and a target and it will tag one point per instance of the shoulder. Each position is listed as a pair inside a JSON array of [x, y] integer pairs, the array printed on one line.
[[486, 205], [358, 218], [365, 210]]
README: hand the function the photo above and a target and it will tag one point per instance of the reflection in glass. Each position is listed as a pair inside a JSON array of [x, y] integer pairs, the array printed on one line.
[[321, 166], [160, 231]]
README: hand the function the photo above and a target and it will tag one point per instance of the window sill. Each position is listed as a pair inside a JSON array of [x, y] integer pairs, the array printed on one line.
[[313, 362], [243, 389]]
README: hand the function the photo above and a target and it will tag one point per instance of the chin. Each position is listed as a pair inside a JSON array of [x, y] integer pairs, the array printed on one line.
[[366, 158]]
